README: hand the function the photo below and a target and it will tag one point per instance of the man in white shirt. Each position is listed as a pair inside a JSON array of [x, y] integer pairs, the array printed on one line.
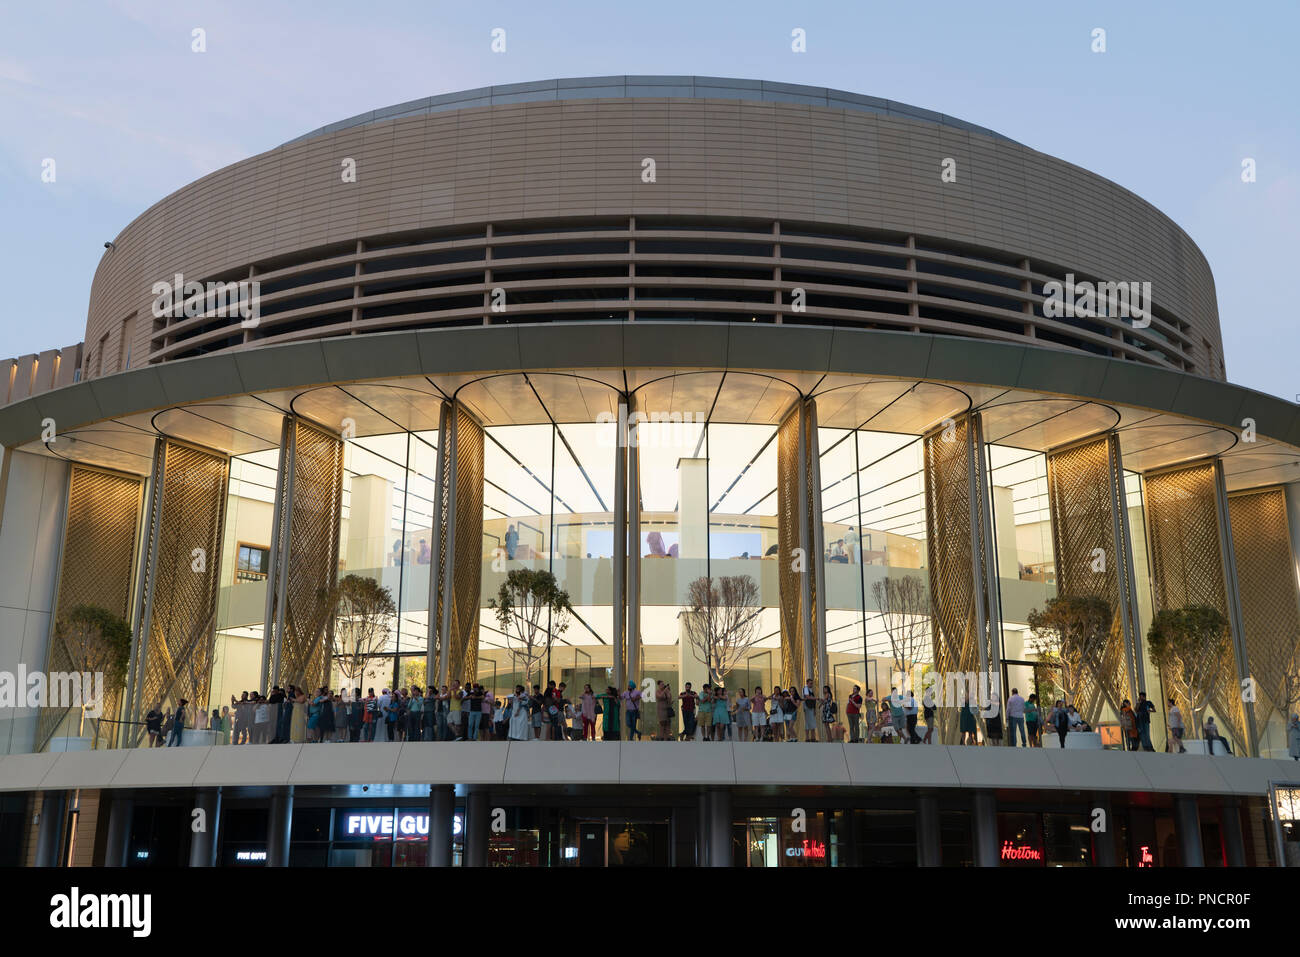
[[1176, 727], [1016, 718]]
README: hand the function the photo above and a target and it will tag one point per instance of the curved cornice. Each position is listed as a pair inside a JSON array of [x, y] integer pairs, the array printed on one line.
[[571, 346]]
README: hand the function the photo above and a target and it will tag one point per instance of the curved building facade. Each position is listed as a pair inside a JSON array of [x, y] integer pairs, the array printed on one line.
[[904, 380]]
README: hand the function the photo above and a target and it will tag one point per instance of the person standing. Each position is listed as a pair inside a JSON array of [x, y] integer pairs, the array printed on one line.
[[744, 716], [966, 724], [178, 725], [853, 708], [153, 725], [829, 712], [809, 711], [929, 709], [512, 542], [1016, 718], [1175, 720], [588, 705], [1143, 711], [758, 712], [664, 710], [1031, 721], [721, 714], [632, 703], [910, 713], [1061, 721], [521, 728], [870, 717], [705, 709], [262, 721], [1128, 726], [607, 704], [298, 717], [898, 720], [689, 700]]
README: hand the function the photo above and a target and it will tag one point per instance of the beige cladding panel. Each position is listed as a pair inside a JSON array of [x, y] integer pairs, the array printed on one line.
[[714, 157]]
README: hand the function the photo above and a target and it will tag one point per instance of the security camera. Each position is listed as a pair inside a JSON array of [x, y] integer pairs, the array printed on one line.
[[109, 245]]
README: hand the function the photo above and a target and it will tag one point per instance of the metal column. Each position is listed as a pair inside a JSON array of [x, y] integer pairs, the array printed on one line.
[[478, 826], [278, 513], [719, 827], [1187, 820], [1233, 842], [632, 535], [145, 579], [620, 553], [49, 836], [929, 847], [1232, 595], [984, 814], [118, 843], [203, 844], [442, 811], [807, 626], [1104, 841], [818, 546], [449, 547], [278, 824], [435, 561]]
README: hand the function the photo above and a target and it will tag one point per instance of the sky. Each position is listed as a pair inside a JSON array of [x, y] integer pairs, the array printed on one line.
[[1184, 92]]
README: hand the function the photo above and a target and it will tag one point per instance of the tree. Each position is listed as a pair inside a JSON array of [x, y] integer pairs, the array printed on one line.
[[525, 596], [97, 642], [362, 611], [1187, 645], [904, 605], [722, 622], [1070, 636]]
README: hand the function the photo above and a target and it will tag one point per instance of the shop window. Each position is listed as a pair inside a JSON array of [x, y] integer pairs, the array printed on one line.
[[884, 838], [955, 839], [774, 841]]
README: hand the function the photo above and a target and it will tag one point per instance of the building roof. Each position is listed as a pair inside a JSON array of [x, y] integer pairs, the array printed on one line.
[[627, 87]]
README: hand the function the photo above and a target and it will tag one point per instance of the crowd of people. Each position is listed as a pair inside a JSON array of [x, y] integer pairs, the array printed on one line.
[[471, 712]]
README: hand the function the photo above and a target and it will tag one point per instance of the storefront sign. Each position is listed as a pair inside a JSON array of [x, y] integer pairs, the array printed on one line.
[[811, 849], [1020, 852], [385, 826], [1145, 858], [250, 857]]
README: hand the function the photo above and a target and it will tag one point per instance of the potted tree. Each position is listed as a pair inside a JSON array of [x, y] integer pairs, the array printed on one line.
[[1069, 636], [1187, 645], [532, 609], [98, 644], [721, 622]]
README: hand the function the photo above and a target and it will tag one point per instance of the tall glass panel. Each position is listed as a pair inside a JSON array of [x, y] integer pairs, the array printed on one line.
[[245, 563]]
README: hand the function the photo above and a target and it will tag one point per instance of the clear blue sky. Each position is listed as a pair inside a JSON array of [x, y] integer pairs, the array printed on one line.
[[112, 92]]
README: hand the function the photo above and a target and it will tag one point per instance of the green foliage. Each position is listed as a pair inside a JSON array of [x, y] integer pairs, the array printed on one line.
[[97, 640]]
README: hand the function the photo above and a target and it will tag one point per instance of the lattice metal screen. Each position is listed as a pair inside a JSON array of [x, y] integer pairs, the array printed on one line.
[[185, 557], [1266, 582], [793, 613], [950, 537], [314, 517], [1082, 505], [96, 568], [1187, 567], [467, 547]]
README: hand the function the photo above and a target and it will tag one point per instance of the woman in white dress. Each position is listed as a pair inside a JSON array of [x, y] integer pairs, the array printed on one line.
[[520, 726]]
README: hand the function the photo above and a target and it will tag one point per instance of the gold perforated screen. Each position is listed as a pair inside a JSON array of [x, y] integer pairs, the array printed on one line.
[[1083, 521], [791, 585], [96, 568], [1187, 566], [314, 518], [1266, 582], [178, 648], [467, 567]]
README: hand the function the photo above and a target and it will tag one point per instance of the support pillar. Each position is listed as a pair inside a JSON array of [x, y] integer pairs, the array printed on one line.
[[702, 830], [929, 848], [477, 829], [1103, 842], [619, 559], [279, 821], [203, 844], [1188, 822], [118, 843], [1233, 842], [719, 828], [984, 812], [442, 810], [49, 835]]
